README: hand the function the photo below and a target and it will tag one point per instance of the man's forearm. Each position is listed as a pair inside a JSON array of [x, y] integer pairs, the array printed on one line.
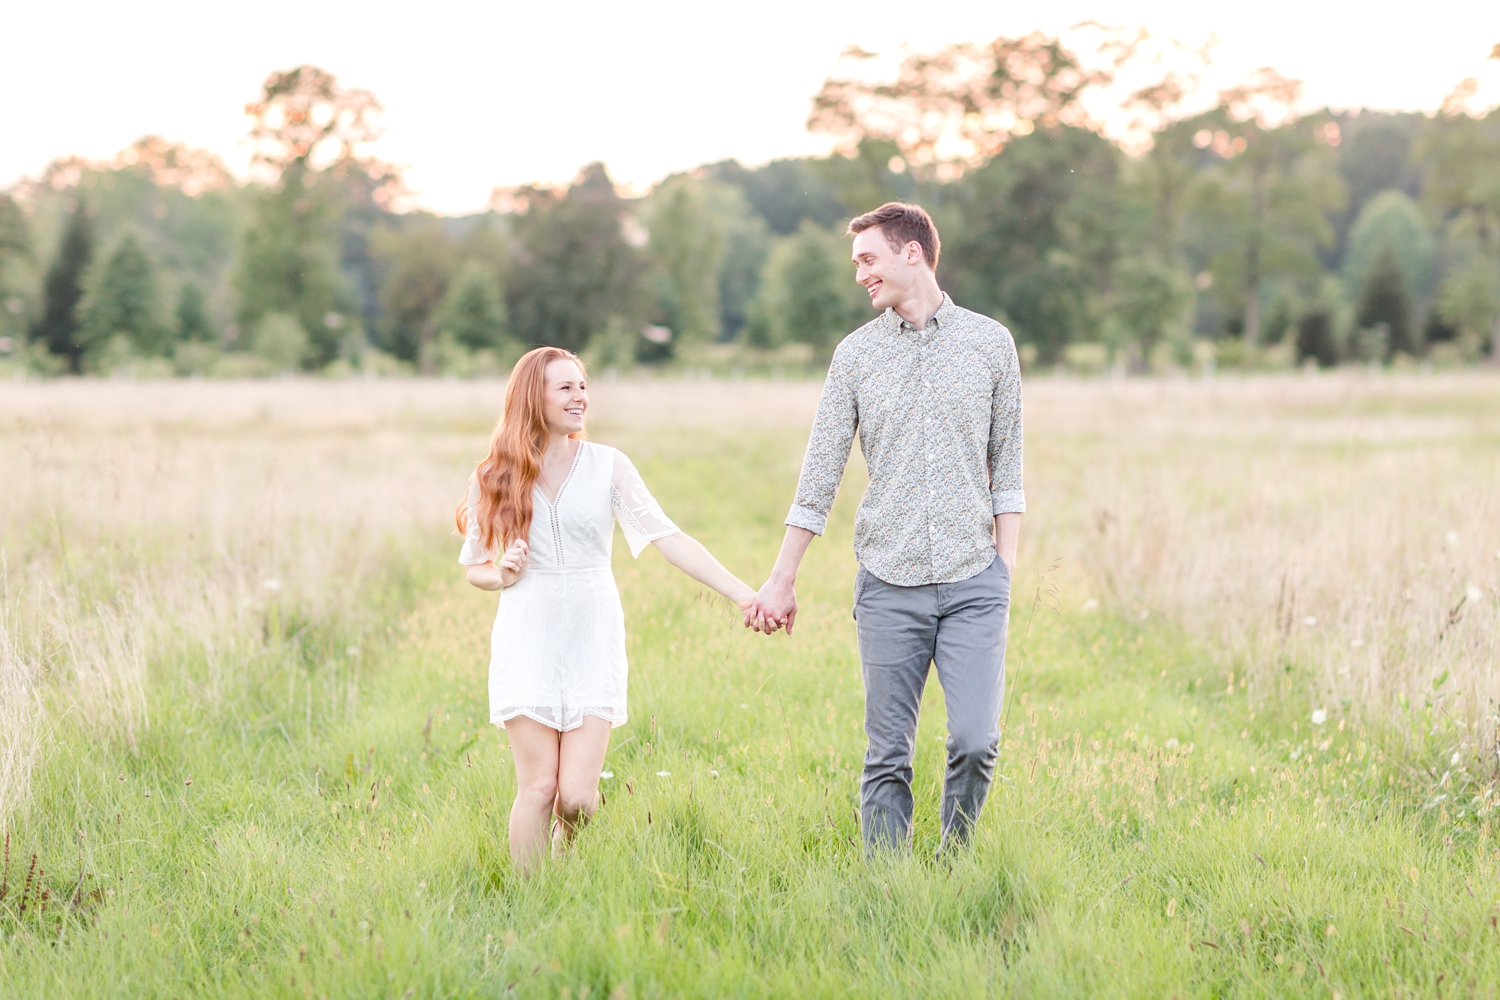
[[1007, 539], [793, 548]]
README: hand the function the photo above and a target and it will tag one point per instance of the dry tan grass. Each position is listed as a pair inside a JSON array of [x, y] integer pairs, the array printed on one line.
[[19, 712], [1344, 524]]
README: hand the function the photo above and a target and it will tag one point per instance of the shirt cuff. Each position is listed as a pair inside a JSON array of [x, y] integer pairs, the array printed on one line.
[[1008, 502], [806, 517]]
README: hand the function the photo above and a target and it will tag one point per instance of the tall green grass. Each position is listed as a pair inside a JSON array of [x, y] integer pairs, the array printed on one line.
[[335, 825]]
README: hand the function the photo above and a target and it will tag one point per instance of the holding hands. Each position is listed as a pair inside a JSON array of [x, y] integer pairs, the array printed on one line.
[[772, 608]]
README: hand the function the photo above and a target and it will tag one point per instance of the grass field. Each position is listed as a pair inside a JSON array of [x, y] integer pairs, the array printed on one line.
[[242, 702]]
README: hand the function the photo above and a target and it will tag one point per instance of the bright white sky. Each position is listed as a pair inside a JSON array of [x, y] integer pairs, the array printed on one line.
[[502, 93]]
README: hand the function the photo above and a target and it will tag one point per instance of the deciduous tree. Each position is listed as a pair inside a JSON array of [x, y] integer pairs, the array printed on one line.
[[579, 261]]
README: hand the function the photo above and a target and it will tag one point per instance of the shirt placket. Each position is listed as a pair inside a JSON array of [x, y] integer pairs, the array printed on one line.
[[930, 451]]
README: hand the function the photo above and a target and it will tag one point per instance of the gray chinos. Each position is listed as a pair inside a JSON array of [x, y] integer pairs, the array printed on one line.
[[961, 627]]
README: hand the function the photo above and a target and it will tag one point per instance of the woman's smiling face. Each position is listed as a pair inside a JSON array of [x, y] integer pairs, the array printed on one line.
[[565, 398]]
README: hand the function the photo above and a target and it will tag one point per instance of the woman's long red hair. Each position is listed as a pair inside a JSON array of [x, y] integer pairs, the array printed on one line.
[[508, 474]]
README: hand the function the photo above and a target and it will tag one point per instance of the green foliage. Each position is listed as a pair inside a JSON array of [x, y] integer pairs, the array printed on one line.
[[16, 261], [1260, 213], [193, 321], [1470, 300], [124, 301], [15, 237], [289, 258], [1029, 237], [809, 295], [1384, 304], [473, 312], [58, 326], [281, 341], [687, 249], [1315, 338], [1391, 222], [1046, 225], [575, 267], [786, 192], [415, 259], [1150, 304]]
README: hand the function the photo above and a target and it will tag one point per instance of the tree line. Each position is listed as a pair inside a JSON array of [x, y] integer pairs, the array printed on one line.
[[1141, 234]]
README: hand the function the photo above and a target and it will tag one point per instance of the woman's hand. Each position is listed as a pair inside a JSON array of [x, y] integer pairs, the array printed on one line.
[[513, 562]]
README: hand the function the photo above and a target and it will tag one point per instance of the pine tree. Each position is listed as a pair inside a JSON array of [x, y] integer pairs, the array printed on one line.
[[125, 301], [1384, 301], [58, 327]]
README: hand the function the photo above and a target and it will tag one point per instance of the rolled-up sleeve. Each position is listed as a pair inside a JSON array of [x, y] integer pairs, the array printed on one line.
[[1007, 494], [827, 449]]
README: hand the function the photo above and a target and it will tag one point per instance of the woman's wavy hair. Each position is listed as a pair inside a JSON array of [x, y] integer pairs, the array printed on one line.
[[508, 473]]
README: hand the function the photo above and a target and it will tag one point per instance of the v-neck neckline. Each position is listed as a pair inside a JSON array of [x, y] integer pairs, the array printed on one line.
[[552, 502]]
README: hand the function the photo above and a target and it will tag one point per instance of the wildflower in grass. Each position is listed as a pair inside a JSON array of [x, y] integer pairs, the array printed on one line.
[[1090, 604], [1310, 620], [1454, 761], [1473, 593], [1319, 717], [271, 583], [606, 775], [1172, 743], [663, 774], [1452, 539]]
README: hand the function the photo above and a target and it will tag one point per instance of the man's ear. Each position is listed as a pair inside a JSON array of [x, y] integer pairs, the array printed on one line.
[[913, 248]]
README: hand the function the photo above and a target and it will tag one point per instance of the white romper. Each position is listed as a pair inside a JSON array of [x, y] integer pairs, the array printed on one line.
[[557, 651]]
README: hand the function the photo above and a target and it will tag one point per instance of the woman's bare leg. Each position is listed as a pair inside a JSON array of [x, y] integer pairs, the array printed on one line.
[[580, 758], [535, 748]]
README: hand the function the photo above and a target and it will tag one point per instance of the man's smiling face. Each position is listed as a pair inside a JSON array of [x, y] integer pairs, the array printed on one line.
[[887, 273]]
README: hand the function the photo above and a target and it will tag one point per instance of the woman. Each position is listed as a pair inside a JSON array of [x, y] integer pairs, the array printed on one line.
[[548, 500]]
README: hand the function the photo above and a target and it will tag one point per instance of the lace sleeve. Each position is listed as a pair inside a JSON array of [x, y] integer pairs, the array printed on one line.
[[474, 553], [639, 514]]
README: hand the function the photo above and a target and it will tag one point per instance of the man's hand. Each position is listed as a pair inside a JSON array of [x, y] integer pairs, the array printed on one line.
[[776, 604]]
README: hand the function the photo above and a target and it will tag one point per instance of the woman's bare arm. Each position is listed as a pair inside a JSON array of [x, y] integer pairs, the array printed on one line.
[[503, 572], [689, 555]]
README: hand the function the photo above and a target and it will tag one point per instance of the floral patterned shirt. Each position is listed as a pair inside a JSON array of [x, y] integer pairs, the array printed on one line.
[[938, 413]]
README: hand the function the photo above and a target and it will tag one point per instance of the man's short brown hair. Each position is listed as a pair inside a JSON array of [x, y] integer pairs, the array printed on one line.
[[902, 224]]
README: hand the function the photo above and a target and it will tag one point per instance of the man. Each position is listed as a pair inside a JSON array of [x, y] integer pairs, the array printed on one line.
[[935, 394]]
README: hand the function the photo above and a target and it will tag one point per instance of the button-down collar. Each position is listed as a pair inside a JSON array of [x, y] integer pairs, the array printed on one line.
[[940, 319]]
